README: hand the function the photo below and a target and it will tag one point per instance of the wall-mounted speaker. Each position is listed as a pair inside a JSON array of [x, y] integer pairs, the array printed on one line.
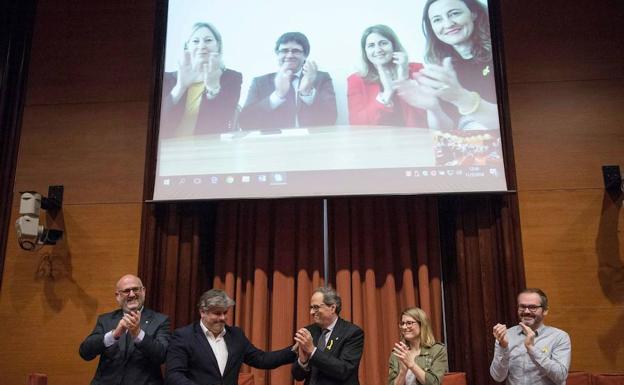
[[612, 177]]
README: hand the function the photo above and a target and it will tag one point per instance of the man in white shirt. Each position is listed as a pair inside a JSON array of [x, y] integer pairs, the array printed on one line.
[[531, 353], [211, 352]]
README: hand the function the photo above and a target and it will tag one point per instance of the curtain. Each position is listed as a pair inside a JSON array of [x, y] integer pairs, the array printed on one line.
[[483, 273], [385, 258], [16, 24], [269, 258], [268, 255], [176, 255]]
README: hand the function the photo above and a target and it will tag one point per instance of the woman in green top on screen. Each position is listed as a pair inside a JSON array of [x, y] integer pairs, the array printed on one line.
[[417, 359]]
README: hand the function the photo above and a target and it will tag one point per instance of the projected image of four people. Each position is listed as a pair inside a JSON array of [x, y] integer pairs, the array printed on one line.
[[452, 92]]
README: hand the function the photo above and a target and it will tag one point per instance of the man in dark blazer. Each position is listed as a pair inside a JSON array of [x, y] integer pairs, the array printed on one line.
[[210, 352], [297, 95], [131, 341], [330, 349]]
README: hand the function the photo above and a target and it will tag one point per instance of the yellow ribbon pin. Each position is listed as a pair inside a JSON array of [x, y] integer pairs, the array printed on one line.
[[330, 344]]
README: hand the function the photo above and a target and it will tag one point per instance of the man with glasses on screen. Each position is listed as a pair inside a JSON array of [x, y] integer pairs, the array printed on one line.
[[297, 95], [131, 341], [531, 352]]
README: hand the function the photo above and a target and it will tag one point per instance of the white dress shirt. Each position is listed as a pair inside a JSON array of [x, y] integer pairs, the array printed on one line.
[[546, 363], [218, 346]]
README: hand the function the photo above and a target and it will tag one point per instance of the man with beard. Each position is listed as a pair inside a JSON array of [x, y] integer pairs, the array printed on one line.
[[331, 348], [297, 95], [131, 341], [531, 352], [211, 352]]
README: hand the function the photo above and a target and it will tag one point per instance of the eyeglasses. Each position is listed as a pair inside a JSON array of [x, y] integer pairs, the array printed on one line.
[[135, 290], [407, 324], [531, 308], [316, 307], [294, 51]]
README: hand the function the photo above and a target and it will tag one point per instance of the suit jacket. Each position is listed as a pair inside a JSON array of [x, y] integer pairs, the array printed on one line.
[[338, 364], [258, 114], [214, 116], [364, 109], [191, 361], [126, 362]]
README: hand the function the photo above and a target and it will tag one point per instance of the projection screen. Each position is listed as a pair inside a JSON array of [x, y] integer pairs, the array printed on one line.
[[277, 99]]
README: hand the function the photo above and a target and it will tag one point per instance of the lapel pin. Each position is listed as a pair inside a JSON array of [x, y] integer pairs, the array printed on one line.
[[331, 343]]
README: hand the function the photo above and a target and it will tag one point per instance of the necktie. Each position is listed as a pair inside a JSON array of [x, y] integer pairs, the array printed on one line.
[[293, 99], [320, 346], [322, 341], [127, 341]]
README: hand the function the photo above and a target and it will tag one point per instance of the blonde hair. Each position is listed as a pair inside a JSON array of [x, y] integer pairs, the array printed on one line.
[[426, 333]]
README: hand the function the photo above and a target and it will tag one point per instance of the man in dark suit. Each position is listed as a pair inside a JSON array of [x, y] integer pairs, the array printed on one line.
[[330, 349], [297, 95], [131, 341], [210, 352]]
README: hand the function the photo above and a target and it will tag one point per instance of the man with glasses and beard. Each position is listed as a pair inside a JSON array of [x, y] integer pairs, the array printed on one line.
[[211, 352], [131, 341], [531, 352], [297, 95], [331, 348]]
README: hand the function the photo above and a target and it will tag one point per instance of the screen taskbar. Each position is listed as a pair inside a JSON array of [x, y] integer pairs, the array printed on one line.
[[277, 184]]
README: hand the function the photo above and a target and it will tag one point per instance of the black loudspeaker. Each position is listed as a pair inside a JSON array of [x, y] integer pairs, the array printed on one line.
[[612, 177]]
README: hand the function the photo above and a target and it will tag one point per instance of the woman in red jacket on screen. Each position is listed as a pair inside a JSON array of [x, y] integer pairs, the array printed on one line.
[[371, 93]]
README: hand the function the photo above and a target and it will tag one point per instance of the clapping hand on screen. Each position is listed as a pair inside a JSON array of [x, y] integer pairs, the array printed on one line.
[[441, 80], [399, 59], [283, 77], [415, 94], [187, 75], [212, 71], [310, 70]]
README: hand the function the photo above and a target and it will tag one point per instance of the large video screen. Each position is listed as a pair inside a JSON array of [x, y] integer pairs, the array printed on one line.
[[277, 99]]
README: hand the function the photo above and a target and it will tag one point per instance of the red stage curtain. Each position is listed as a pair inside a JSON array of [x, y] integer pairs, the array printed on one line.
[[483, 272], [268, 256], [385, 257]]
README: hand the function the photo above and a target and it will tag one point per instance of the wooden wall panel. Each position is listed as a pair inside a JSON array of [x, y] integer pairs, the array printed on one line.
[[565, 131], [84, 127], [572, 249], [97, 151], [91, 51], [557, 40], [50, 299], [565, 66]]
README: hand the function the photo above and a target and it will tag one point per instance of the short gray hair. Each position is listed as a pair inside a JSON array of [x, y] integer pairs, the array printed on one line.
[[215, 298], [330, 297]]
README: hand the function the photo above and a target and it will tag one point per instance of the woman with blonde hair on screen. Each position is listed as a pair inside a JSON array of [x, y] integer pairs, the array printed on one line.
[[202, 96]]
